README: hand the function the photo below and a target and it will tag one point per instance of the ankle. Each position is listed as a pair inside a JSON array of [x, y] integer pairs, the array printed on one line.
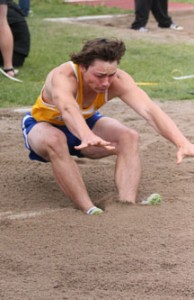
[[10, 71]]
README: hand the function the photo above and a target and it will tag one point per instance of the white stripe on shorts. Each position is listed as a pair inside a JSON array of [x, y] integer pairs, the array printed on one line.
[[25, 131]]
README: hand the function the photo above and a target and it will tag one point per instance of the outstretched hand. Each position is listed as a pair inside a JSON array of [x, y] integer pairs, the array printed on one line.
[[185, 150], [95, 141]]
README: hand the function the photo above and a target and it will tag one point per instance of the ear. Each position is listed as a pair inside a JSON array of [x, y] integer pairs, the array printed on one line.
[[83, 68]]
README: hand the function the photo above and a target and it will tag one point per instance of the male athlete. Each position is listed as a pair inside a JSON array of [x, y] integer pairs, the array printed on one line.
[[65, 121]]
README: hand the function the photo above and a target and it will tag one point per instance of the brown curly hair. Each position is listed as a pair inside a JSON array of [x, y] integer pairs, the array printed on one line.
[[100, 48]]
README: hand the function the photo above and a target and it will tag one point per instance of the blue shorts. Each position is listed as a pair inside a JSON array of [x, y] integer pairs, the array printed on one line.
[[72, 141]]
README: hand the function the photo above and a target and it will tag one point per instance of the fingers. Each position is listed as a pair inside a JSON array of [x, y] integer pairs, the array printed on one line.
[[180, 156], [105, 145], [184, 151], [82, 146], [109, 147], [179, 160]]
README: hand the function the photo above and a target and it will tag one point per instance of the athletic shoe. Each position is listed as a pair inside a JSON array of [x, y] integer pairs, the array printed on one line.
[[143, 29], [153, 199], [174, 26], [94, 211]]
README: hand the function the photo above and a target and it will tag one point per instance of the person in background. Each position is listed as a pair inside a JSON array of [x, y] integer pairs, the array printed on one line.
[[159, 9], [25, 6], [21, 35], [6, 40]]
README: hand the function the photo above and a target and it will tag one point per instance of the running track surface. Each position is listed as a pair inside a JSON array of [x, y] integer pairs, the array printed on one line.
[[129, 4]]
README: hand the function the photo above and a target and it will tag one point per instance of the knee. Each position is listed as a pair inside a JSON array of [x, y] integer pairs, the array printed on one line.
[[129, 138], [56, 145]]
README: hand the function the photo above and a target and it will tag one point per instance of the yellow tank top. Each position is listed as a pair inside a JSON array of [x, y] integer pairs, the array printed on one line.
[[43, 111]]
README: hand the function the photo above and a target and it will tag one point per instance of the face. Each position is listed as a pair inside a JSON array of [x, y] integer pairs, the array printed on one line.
[[99, 75]]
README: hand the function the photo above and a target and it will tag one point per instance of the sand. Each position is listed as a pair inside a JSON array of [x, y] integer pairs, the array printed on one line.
[[50, 250]]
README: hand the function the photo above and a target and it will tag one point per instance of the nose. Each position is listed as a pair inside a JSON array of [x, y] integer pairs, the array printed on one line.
[[106, 82]]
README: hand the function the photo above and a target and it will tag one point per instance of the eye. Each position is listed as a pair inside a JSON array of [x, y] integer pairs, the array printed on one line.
[[101, 76]]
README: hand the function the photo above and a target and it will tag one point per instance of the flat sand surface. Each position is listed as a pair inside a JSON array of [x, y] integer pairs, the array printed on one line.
[[51, 251]]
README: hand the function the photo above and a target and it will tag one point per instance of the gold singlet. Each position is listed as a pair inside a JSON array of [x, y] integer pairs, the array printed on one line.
[[42, 111]]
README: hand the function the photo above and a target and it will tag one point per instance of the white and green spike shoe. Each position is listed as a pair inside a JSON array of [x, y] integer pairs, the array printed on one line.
[[153, 199], [94, 211]]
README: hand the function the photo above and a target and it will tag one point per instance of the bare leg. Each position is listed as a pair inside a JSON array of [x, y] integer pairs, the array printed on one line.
[[50, 143], [6, 40], [128, 166]]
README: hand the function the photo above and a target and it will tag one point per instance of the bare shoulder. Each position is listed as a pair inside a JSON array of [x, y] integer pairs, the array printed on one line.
[[62, 77], [122, 83], [64, 70]]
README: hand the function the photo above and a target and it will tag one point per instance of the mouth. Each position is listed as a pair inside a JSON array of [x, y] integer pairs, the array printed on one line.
[[101, 89]]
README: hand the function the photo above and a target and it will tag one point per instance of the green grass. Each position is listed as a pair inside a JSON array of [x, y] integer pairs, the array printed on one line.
[[157, 63], [51, 44], [183, 1], [57, 8]]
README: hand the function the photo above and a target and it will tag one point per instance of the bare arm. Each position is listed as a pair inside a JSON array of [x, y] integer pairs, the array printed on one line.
[[63, 96], [138, 100]]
